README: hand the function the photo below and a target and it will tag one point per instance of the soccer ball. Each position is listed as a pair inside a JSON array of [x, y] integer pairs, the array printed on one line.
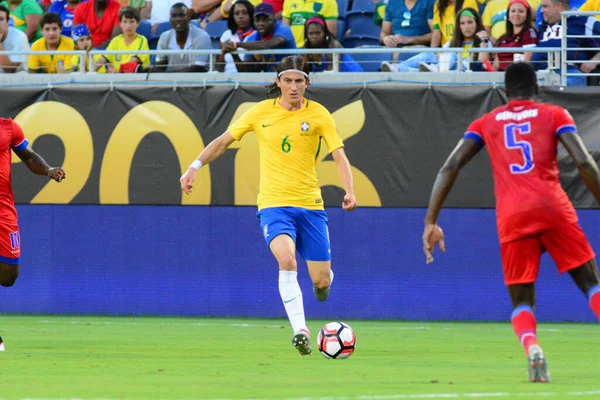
[[336, 340]]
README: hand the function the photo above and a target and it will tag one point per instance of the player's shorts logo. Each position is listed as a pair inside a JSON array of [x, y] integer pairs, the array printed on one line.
[[15, 240], [266, 231]]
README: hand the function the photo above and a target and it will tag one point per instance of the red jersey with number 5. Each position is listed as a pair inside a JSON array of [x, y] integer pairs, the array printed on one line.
[[521, 139], [11, 138]]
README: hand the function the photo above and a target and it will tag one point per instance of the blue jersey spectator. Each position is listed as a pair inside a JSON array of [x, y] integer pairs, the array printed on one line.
[[268, 35], [539, 20], [404, 26], [551, 33], [66, 10]]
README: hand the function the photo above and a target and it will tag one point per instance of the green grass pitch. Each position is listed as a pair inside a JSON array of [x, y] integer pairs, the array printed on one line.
[[77, 357]]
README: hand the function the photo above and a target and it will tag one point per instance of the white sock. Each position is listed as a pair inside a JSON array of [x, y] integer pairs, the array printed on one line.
[[291, 295]]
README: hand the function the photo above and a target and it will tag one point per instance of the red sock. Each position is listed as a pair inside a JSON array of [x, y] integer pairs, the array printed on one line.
[[594, 296], [524, 324]]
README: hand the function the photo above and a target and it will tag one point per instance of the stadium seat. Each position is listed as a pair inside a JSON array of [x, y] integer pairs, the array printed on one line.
[[362, 24], [359, 40], [163, 27], [341, 30], [196, 23], [342, 8], [215, 29], [145, 29], [371, 62], [363, 5]]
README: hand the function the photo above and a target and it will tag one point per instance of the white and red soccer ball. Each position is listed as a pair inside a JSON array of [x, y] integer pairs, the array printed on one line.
[[336, 340]]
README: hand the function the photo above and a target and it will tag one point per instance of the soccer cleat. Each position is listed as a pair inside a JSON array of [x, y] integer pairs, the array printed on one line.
[[321, 294], [537, 365], [2, 345], [388, 67], [301, 341]]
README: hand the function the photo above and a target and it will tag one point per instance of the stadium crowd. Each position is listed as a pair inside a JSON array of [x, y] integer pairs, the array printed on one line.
[[237, 25]]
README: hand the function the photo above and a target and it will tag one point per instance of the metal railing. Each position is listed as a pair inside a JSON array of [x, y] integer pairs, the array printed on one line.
[[564, 49]]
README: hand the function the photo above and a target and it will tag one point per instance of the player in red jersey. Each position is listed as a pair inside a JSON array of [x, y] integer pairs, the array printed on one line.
[[533, 212], [12, 137]]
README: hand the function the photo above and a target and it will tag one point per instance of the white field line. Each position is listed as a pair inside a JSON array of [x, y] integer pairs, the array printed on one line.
[[394, 396], [278, 326]]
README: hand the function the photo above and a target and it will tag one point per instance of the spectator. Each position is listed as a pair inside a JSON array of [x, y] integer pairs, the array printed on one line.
[[550, 35], [470, 34], [494, 17], [54, 41], [590, 5], [183, 36], [269, 35], [203, 9], [129, 19], [83, 41], [519, 33], [296, 12], [25, 15], [444, 15], [240, 21], [159, 11], [102, 19], [66, 10], [11, 39], [407, 23], [225, 8], [316, 36]]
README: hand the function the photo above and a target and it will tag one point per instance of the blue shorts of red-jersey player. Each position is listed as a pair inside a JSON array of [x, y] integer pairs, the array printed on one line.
[[10, 243], [566, 244]]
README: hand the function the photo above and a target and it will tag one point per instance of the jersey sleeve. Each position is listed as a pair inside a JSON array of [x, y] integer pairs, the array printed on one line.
[[329, 132], [330, 9], [244, 124], [475, 131], [563, 122], [287, 9], [436, 16], [18, 141]]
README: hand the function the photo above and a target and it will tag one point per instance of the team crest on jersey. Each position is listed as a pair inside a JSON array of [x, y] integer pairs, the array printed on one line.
[[304, 127]]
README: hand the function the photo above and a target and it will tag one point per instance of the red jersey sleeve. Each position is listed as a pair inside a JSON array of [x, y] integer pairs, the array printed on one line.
[[529, 38], [475, 132], [563, 122], [18, 141]]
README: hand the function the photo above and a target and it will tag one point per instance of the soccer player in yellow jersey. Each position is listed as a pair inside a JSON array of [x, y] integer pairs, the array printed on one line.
[[290, 207]]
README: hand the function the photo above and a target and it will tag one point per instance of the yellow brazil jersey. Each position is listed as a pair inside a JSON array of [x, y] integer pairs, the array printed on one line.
[[76, 63], [288, 142], [445, 23], [298, 11], [591, 5], [48, 64], [118, 43], [494, 15]]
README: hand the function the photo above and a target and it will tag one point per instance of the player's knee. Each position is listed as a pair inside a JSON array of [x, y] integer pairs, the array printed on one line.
[[9, 277], [322, 282], [287, 262]]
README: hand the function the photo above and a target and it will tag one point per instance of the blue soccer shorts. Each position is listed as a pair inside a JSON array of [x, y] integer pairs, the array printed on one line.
[[307, 228]]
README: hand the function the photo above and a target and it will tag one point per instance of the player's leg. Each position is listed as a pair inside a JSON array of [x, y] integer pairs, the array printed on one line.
[[8, 274], [279, 230], [313, 245], [587, 279], [520, 264], [572, 252]]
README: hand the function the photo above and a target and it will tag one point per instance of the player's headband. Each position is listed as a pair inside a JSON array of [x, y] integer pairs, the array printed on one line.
[[293, 70]]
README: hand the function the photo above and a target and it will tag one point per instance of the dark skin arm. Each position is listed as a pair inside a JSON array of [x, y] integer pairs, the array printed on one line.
[[460, 156], [39, 166], [585, 163]]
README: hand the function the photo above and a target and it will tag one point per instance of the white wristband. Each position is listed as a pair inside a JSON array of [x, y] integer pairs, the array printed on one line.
[[197, 164]]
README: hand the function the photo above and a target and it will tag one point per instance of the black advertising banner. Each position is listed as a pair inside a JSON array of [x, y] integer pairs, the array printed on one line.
[[129, 145]]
